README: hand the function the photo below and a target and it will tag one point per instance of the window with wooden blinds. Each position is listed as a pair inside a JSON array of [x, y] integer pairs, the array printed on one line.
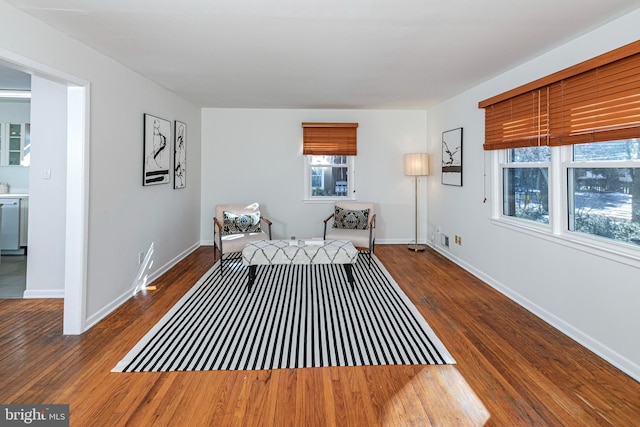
[[597, 100], [330, 139]]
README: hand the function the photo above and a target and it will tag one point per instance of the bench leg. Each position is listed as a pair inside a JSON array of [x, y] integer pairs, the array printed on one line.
[[252, 276], [348, 268]]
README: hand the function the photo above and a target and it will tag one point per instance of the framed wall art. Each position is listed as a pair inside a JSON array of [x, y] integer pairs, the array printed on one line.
[[180, 155], [452, 157], [157, 157]]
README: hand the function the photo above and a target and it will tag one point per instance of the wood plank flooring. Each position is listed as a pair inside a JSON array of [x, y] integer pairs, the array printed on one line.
[[513, 369]]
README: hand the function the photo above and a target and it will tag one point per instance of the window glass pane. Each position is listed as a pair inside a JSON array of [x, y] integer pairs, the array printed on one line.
[[529, 155], [317, 178], [14, 159], [526, 194], [611, 150], [328, 160], [606, 202], [329, 180]]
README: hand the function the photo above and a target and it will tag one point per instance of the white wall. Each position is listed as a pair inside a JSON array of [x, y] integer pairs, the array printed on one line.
[[256, 155], [592, 298], [17, 177], [15, 111], [47, 197], [124, 217]]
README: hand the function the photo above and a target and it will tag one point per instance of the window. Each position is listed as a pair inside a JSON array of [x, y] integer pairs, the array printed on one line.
[[567, 150], [525, 176], [603, 182], [329, 151], [329, 176]]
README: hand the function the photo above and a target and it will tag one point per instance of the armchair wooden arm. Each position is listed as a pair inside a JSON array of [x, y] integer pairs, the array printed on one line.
[[262, 218], [324, 234], [216, 223]]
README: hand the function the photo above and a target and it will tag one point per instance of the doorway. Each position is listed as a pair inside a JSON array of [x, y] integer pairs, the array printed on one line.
[[15, 116], [76, 199]]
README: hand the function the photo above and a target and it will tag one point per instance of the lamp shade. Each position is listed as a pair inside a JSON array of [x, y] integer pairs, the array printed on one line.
[[416, 164]]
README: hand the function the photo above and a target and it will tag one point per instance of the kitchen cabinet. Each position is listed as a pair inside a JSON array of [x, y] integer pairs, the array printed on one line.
[[13, 235], [15, 144]]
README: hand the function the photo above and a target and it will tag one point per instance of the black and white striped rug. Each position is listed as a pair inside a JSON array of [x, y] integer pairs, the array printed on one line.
[[296, 316]]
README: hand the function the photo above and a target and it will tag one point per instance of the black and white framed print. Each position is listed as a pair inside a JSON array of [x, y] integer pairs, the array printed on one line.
[[180, 155], [157, 157], [452, 157]]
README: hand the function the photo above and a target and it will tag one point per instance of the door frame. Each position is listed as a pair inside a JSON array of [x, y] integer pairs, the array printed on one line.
[[77, 205]]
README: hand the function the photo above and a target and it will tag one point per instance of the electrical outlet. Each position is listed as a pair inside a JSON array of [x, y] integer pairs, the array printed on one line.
[[458, 240], [444, 240]]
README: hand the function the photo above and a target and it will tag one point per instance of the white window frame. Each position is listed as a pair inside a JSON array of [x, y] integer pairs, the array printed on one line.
[[350, 165], [501, 159], [567, 163], [557, 230]]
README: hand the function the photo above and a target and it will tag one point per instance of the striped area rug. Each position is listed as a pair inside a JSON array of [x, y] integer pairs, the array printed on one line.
[[296, 316]]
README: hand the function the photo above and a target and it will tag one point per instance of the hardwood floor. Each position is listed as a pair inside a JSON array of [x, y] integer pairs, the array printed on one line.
[[513, 369]]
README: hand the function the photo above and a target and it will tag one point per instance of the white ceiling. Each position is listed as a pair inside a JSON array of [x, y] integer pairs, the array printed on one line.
[[395, 54]]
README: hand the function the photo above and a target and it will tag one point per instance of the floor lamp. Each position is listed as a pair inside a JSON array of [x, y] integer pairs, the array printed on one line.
[[415, 165]]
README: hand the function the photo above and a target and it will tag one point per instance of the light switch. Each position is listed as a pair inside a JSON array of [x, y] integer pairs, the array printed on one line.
[[46, 173]]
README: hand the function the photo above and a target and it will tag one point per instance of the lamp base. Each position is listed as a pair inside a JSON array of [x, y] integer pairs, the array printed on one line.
[[416, 247]]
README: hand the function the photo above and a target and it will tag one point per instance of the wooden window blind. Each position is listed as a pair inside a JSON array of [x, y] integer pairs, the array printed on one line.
[[597, 100], [521, 121], [330, 139]]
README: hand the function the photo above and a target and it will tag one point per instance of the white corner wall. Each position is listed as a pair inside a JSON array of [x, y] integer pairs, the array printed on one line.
[[591, 298], [124, 217], [47, 197], [256, 155]]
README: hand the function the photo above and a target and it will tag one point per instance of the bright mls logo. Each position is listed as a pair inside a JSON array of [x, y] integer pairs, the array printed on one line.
[[34, 415]]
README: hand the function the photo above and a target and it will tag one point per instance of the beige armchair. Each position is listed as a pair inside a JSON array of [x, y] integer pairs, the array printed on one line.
[[235, 225], [354, 221]]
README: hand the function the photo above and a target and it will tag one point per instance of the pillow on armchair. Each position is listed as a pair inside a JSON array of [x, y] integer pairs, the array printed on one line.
[[241, 223], [351, 219]]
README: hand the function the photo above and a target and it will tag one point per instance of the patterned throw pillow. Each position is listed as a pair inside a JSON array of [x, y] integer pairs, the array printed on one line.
[[241, 223], [352, 220]]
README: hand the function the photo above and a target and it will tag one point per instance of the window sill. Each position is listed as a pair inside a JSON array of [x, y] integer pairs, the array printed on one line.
[[328, 200], [618, 252]]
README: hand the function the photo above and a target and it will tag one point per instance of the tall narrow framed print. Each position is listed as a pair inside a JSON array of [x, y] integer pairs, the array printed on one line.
[[157, 147], [180, 155], [452, 157]]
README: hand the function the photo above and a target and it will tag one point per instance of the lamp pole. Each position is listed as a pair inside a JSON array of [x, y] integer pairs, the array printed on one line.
[[416, 247]]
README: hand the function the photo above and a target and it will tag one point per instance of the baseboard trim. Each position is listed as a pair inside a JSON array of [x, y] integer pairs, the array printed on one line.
[[48, 293], [625, 365], [124, 297]]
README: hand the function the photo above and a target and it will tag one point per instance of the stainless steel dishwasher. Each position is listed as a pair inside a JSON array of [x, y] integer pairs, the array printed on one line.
[[10, 236]]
